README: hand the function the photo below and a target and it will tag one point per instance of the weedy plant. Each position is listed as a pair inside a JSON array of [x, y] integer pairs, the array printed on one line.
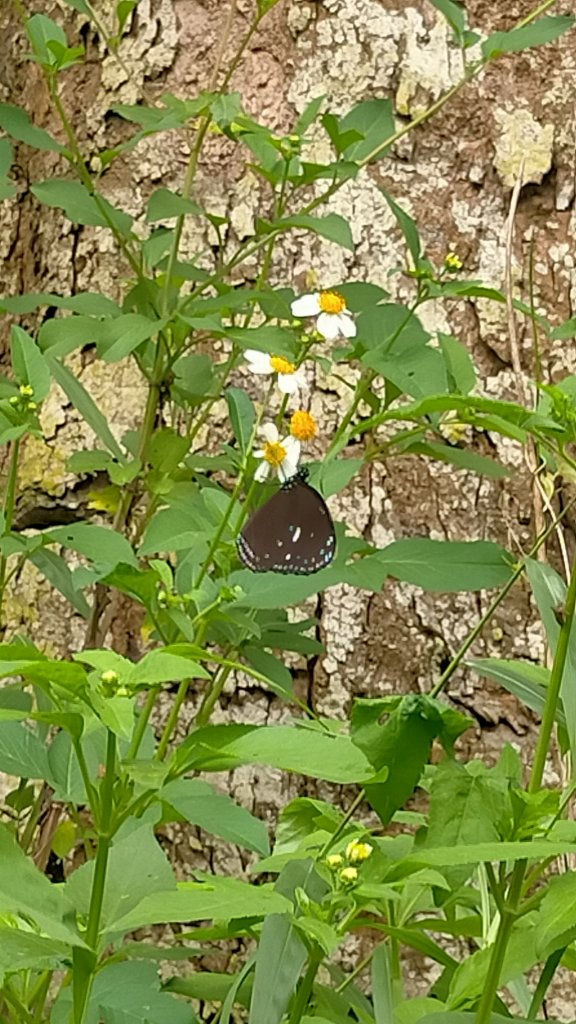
[[474, 881]]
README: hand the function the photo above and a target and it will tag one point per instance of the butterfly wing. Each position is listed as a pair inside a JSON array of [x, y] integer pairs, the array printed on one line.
[[292, 533]]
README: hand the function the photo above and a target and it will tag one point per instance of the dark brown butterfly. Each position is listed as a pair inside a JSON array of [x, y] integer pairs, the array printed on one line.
[[292, 533]]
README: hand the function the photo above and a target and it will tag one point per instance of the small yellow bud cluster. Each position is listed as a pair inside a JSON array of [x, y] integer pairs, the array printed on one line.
[[355, 853], [452, 262], [23, 399]]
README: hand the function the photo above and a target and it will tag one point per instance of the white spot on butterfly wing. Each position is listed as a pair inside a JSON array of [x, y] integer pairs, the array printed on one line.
[[297, 533]]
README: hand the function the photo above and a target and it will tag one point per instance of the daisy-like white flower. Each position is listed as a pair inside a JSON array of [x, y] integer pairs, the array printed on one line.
[[333, 318], [277, 454], [289, 377]]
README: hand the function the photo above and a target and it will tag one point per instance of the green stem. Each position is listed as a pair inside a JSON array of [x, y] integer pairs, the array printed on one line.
[[143, 719], [552, 696], [484, 1012], [548, 972], [181, 695], [104, 842], [553, 688], [85, 961], [305, 988], [475, 633], [8, 510], [212, 696]]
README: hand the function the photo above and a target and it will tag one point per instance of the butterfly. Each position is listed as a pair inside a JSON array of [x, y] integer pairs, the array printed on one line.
[[292, 533]]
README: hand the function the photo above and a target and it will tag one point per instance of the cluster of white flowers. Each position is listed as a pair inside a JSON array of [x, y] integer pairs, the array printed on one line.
[[332, 321]]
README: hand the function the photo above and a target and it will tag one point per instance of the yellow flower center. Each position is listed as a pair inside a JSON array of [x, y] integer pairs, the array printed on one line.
[[281, 365], [274, 453], [332, 302], [303, 425]]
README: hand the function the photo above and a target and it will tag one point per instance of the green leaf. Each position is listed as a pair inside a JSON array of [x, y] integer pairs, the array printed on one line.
[[335, 475], [401, 746], [242, 416], [194, 376], [461, 370], [101, 545], [266, 5], [137, 867], [25, 950], [464, 809], [125, 993], [123, 11], [407, 226], [463, 458], [59, 575], [454, 13], [79, 5], [477, 853], [470, 976], [302, 750], [374, 120], [22, 753], [544, 30], [25, 891], [165, 205], [162, 666], [201, 805], [382, 994], [122, 335], [416, 372], [82, 400], [29, 364], [267, 338], [279, 961], [332, 226], [273, 669], [16, 123], [525, 680], [447, 566], [218, 898], [80, 205], [556, 926], [564, 331], [42, 31]]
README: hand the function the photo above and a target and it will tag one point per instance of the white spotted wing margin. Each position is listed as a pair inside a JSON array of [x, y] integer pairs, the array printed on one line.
[[292, 533]]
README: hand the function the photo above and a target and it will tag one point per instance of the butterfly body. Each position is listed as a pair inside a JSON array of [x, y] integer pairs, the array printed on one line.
[[292, 533]]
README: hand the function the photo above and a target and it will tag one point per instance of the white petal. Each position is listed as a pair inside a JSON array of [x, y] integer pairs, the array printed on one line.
[[291, 446], [306, 305], [258, 453], [289, 383], [270, 432], [327, 325], [259, 361], [287, 470], [347, 325], [262, 471]]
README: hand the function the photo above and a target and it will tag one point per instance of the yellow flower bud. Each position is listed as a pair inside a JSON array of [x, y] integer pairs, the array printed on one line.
[[356, 851], [334, 861], [453, 262], [348, 876], [109, 677]]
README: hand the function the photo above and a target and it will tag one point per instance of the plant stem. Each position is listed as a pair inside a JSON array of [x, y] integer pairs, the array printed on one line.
[[511, 909], [212, 696], [305, 988], [8, 511], [493, 606], [554, 685], [143, 719], [104, 841], [85, 961]]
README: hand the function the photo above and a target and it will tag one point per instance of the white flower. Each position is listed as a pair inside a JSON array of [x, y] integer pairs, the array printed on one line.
[[289, 377], [281, 455], [333, 321]]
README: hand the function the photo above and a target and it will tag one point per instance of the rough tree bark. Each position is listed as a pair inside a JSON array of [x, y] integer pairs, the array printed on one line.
[[454, 175]]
